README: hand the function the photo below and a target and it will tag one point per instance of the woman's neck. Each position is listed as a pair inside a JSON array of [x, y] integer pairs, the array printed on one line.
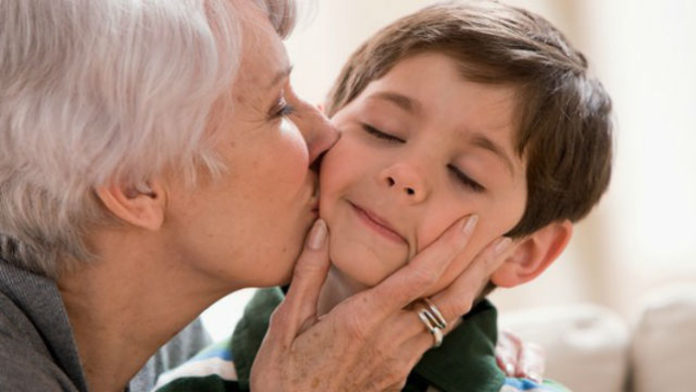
[[125, 306]]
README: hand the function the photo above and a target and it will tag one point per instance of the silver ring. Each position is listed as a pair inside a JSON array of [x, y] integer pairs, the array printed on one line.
[[425, 316], [439, 319], [429, 321], [437, 336]]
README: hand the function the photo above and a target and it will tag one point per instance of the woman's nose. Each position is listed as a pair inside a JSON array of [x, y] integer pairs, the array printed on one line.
[[407, 182], [317, 130]]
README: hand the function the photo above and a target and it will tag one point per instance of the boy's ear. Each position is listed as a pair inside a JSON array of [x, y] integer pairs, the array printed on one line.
[[531, 255], [142, 205]]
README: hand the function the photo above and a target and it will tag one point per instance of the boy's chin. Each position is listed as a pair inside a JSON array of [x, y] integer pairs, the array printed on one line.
[[362, 273], [347, 283]]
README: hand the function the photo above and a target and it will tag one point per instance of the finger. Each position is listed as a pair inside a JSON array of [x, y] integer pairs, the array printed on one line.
[[507, 352], [415, 278], [509, 339], [531, 362], [407, 329], [404, 325], [504, 363], [300, 303], [408, 338], [413, 348], [457, 299]]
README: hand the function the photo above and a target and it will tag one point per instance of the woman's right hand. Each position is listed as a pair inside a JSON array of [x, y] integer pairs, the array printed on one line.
[[368, 342]]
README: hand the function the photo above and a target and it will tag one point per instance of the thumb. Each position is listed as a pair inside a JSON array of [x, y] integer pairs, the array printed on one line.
[[300, 304]]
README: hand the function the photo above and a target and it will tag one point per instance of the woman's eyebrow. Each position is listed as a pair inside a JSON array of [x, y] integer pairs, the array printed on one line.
[[280, 76], [404, 102]]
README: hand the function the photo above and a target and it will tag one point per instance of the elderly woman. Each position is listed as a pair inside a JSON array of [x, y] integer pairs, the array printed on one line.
[[154, 158]]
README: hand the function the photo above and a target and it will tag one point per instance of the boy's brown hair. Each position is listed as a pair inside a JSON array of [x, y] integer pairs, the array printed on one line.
[[565, 130]]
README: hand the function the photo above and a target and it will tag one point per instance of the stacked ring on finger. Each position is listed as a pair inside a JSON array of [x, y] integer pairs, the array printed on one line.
[[425, 316], [435, 314], [433, 321]]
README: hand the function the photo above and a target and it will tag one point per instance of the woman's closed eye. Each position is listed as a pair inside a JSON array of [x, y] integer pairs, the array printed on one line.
[[380, 135], [281, 109], [466, 180]]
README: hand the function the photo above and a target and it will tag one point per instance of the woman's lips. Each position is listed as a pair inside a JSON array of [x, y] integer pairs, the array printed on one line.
[[377, 224], [314, 201]]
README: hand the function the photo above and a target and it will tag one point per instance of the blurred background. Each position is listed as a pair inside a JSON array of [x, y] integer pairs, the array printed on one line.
[[641, 236]]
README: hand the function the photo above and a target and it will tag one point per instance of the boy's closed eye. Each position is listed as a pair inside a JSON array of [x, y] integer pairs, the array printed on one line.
[[380, 135], [459, 175]]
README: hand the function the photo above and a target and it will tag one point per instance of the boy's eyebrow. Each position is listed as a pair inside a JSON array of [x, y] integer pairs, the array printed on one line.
[[482, 141], [400, 100]]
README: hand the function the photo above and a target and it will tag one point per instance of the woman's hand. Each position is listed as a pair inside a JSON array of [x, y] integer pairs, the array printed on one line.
[[368, 342]]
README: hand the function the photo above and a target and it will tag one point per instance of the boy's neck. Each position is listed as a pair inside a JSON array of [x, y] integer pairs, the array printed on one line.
[[336, 288]]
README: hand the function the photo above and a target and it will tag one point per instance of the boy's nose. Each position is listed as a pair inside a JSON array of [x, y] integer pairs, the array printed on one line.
[[407, 182]]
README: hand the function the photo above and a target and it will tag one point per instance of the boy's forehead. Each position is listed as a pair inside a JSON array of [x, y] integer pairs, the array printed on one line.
[[443, 76]]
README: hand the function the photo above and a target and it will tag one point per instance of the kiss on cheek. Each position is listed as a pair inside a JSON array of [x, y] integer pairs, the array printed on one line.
[[416, 154]]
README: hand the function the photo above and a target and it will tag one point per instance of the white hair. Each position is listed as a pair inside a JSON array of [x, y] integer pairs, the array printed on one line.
[[99, 91]]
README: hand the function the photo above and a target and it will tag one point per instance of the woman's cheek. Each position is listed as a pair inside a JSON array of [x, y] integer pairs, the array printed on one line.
[[294, 149]]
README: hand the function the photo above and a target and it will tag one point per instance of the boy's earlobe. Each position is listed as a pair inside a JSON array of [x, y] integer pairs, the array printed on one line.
[[142, 205], [528, 257]]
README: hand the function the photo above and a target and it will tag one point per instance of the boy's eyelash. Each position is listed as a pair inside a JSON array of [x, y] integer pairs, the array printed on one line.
[[461, 177], [379, 134], [466, 180]]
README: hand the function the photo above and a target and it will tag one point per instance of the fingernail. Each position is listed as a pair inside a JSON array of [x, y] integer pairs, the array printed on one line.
[[470, 224], [534, 377], [317, 236], [510, 369], [502, 244]]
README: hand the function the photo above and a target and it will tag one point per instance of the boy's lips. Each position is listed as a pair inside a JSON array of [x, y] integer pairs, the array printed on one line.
[[378, 223]]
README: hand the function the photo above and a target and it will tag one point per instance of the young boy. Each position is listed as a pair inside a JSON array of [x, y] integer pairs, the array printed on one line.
[[457, 110]]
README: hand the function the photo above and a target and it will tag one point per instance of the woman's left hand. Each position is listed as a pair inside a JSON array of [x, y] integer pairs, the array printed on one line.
[[369, 342]]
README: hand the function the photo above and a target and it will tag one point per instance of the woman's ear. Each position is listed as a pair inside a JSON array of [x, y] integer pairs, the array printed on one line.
[[531, 255], [142, 205]]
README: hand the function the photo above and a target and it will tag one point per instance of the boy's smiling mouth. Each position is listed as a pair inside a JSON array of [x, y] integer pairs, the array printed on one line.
[[377, 224]]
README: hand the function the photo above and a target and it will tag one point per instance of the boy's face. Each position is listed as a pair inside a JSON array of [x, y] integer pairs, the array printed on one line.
[[420, 148]]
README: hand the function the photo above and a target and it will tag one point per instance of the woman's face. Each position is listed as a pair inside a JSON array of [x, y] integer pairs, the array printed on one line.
[[246, 228], [420, 148]]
